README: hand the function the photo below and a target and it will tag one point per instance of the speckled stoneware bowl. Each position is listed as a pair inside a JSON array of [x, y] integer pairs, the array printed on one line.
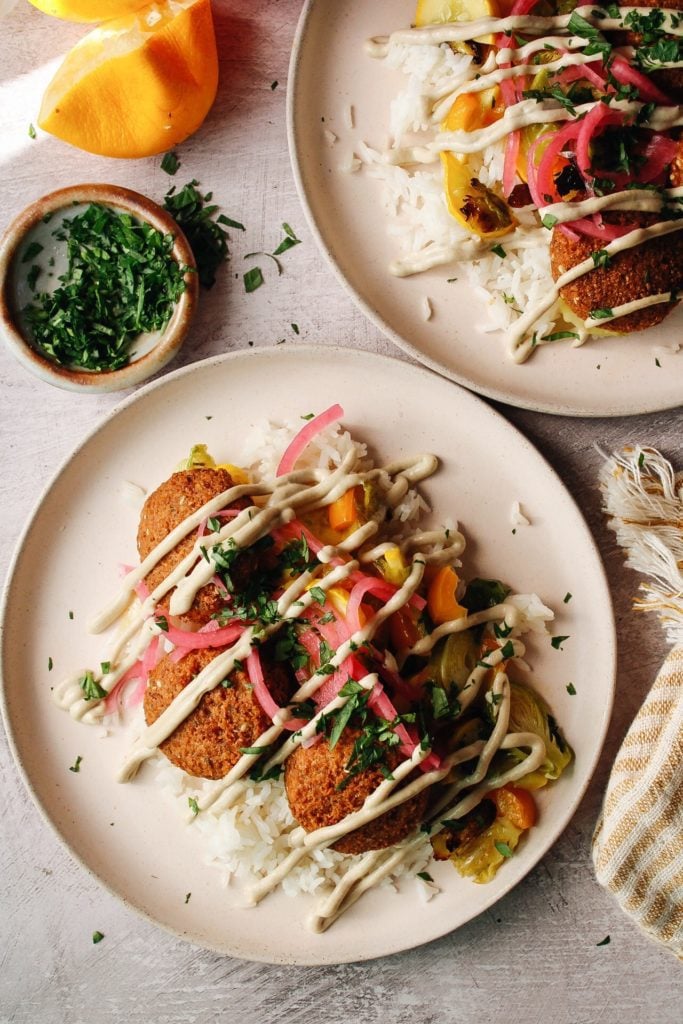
[[151, 351]]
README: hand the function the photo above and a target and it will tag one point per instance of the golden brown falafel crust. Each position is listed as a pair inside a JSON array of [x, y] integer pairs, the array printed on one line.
[[177, 498], [311, 778], [648, 269], [207, 743], [676, 169], [669, 80]]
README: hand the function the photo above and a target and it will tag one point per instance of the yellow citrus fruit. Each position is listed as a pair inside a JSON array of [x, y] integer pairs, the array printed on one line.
[[137, 85], [431, 12], [88, 10]]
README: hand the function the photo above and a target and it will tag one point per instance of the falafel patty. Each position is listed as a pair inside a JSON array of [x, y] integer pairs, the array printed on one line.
[[312, 776], [207, 744], [648, 269], [171, 503]]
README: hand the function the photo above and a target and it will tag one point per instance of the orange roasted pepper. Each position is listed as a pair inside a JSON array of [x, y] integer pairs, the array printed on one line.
[[442, 604], [515, 804]]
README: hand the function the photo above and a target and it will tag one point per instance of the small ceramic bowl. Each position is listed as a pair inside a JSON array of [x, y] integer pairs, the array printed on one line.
[[37, 223]]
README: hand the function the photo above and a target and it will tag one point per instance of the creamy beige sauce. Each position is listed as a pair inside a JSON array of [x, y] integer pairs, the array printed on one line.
[[459, 31]]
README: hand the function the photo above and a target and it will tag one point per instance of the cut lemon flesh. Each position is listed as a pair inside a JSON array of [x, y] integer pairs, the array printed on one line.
[[436, 12], [137, 85]]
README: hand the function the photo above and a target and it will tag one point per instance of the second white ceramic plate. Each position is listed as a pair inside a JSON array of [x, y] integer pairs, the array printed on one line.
[[67, 566], [330, 72]]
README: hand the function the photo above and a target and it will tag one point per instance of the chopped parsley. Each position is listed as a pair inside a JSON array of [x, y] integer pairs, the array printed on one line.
[[253, 279], [318, 594], [194, 214], [121, 281], [571, 689], [50, 663], [187, 897], [33, 275], [31, 132], [274, 85], [508, 651], [288, 241], [425, 876], [641, 460], [604, 942], [253, 751], [193, 805], [499, 251], [601, 314], [549, 221], [601, 258], [162, 623], [557, 642], [295, 328], [170, 163], [97, 937], [31, 251], [76, 766], [90, 687], [503, 849], [559, 336], [567, 598]]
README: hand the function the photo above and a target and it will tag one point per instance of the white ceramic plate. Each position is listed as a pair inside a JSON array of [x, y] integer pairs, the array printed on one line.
[[329, 72], [129, 836]]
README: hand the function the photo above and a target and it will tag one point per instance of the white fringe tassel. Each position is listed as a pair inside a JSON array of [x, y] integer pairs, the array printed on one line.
[[643, 497]]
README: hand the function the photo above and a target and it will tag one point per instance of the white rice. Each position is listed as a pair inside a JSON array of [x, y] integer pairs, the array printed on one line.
[[415, 202]]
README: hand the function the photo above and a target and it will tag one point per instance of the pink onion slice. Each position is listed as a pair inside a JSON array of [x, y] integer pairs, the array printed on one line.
[[594, 123], [510, 163], [261, 691], [628, 75], [659, 151], [299, 443], [216, 637], [545, 175], [606, 232]]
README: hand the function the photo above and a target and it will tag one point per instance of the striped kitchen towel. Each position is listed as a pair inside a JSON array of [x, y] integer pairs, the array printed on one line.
[[638, 842]]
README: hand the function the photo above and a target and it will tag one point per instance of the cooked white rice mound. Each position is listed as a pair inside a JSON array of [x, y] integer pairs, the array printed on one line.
[[414, 200]]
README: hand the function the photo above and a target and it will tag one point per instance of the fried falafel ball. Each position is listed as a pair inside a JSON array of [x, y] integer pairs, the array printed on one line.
[[207, 744], [172, 502], [669, 80], [312, 776], [648, 269]]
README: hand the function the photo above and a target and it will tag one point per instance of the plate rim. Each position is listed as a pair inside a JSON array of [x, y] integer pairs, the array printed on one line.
[[298, 352], [498, 395]]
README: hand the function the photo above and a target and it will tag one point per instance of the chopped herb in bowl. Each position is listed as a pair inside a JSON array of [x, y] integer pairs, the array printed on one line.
[[121, 281], [98, 286]]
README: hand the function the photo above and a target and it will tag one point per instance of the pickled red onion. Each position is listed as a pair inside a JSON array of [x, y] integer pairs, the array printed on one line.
[[606, 232], [140, 671], [301, 441], [510, 163], [594, 123], [545, 180], [628, 75], [261, 691], [214, 637]]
